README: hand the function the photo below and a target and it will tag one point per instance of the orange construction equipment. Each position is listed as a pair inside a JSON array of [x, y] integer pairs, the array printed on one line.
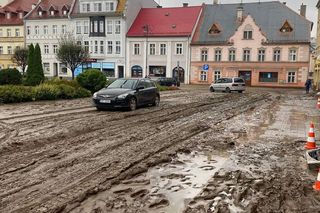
[[316, 186], [311, 142], [318, 103]]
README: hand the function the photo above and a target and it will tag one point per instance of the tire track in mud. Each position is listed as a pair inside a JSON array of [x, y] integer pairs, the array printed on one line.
[[73, 189]]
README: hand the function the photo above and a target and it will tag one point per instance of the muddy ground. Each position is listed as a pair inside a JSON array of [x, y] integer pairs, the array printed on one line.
[[196, 152]]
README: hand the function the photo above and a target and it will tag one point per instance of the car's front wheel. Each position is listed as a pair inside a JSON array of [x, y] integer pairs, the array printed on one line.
[[156, 101], [228, 90], [211, 89], [132, 104]]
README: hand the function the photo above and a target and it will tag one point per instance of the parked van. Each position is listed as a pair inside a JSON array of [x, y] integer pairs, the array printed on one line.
[[228, 85]]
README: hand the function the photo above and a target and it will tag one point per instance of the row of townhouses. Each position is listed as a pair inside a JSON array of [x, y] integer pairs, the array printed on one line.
[[266, 43]]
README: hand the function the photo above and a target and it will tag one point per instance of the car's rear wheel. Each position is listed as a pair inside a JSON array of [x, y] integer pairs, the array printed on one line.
[[132, 104], [211, 89], [228, 90], [156, 101], [240, 91], [99, 108]]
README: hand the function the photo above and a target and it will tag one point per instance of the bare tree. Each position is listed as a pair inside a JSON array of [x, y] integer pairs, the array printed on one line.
[[20, 57], [70, 53]]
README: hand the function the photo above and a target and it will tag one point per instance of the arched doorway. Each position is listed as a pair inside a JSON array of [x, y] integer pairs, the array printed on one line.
[[175, 72], [136, 71]]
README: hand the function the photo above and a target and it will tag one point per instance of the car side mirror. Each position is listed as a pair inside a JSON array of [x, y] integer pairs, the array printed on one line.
[[140, 88]]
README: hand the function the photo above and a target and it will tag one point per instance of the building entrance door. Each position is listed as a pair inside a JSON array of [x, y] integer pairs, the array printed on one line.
[[120, 71], [246, 75]]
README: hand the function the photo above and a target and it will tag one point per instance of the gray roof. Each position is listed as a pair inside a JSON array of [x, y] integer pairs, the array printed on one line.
[[269, 16]]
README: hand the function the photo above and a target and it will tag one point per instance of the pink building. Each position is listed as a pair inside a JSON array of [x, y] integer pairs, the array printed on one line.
[[265, 43]]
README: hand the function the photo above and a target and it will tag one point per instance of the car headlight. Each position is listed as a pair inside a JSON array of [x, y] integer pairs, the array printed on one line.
[[95, 95], [123, 96]]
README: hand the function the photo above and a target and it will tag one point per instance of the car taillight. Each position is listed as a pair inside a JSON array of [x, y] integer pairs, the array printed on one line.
[[234, 85]]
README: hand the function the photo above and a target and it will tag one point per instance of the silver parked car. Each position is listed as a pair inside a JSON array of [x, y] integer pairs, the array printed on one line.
[[228, 85]]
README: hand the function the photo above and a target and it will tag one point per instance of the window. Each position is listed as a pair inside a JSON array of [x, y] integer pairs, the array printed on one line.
[[86, 46], [54, 29], [64, 29], [276, 55], [247, 34], [232, 55], [215, 29], [152, 49], [109, 47], [78, 27], [136, 50], [17, 32], [9, 50], [91, 46], [18, 47], [291, 77], [86, 27], [268, 77], [97, 7], [261, 55], [118, 47], [286, 27], [95, 26], [1, 32], [101, 47], [8, 32], [217, 55], [52, 12], [45, 30], [79, 43], [46, 49], [292, 55], [63, 69], [101, 27], [40, 13], [86, 7], [65, 12], [118, 27], [36, 30], [109, 6], [55, 48], [1, 49], [204, 55], [28, 30], [109, 27], [203, 76], [179, 49], [95, 47], [46, 68], [217, 75], [163, 48], [246, 55]]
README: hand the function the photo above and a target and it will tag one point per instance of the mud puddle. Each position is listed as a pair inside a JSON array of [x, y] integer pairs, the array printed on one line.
[[165, 188]]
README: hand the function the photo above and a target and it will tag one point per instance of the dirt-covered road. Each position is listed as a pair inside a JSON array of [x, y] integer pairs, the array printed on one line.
[[196, 152]]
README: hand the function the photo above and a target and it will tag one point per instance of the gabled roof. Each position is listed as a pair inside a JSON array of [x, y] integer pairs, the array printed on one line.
[[15, 7], [46, 5], [178, 21], [269, 16]]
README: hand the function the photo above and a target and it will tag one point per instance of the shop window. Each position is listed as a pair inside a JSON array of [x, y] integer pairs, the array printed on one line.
[[157, 71], [268, 77], [136, 71]]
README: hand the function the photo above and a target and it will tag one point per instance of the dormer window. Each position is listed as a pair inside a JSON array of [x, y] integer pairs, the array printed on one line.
[[21, 15], [40, 13], [286, 27], [247, 33], [215, 29], [65, 12], [52, 12], [109, 6], [8, 15]]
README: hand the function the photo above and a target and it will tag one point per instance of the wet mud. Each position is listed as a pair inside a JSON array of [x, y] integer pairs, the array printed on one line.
[[196, 152]]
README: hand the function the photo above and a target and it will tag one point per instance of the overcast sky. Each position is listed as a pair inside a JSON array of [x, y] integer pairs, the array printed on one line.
[[293, 4]]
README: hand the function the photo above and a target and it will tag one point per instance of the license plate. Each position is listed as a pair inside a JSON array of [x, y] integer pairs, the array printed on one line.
[[105, 101]]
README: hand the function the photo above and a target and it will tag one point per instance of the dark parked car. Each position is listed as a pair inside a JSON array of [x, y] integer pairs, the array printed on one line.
[[129, 93], [162, 81]]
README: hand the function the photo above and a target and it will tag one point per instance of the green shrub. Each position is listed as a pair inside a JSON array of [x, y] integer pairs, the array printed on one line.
[[166, 88], [15, 94], [57, 81], [92, 80], [46, 92], [82, 93], [10, 76]]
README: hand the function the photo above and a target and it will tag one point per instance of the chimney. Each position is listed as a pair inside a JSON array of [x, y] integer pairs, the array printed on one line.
[[239, 13], [185, 4], [285, 3], [215, 1], [303, 9]]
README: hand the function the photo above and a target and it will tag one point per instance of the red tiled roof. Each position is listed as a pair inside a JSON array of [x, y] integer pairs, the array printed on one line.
[[178, 21], [45, 5], [15, 7]]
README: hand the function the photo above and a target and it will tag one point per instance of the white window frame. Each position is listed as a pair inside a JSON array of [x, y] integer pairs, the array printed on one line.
[[45, 30], [9, 50], [110, 47], [118, 47], [179, 49], [95, 26], [78, 27], [101, 47], [136, 49], [101, 27], [163, 49], [246, 55], [17, 32], [218, 55], [109, 6], [117, 26], [152, 48], [261, 55], [86, 27], [109, 26], [64, 29], [293, 54], [204, 55], [36, 30], [55, 48], [232, 57], [247, 34], [96, 47], [46, 49], [28, 30], [54, 29], [276, 55], [203, 75], [291, 77], [217, 74]]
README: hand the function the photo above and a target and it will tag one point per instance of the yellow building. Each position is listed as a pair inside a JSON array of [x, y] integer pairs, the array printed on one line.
[[12, 29]]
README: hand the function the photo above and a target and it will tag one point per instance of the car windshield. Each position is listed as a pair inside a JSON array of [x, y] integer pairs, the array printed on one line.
[[123, 83], [238, 80]]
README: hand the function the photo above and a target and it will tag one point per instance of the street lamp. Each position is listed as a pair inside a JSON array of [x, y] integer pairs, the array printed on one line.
[[146, 32], [178, 73]]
